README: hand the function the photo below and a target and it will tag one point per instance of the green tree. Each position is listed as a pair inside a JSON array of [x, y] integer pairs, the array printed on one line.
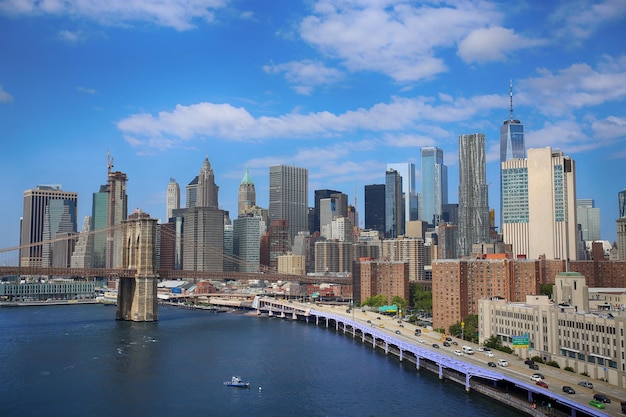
[[420, 298], [378, 300], [469, 331], [546, 289], [400, 303]]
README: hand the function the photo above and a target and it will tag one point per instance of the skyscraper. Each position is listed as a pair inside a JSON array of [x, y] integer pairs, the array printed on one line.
[[289, 190], [206, 195], [621, 198], [203, 226], [247, 194], [48, 212], [394, 204], [117, 210], [539, 205], [588, 216], [512, 145], [99, 219], [407, 172], [319, 195], [173, 198], [473, 193], [247, 242], [434, 185], [375, 207]]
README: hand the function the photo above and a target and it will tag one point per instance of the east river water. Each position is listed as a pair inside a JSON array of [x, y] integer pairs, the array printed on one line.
[[79, 361]]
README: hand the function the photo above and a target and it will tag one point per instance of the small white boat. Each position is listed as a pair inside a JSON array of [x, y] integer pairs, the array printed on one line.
[[235, 381]]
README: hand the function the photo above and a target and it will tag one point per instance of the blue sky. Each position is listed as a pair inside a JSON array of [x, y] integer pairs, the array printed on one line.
[[339, 87]]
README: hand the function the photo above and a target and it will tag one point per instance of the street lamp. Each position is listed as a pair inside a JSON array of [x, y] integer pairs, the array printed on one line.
[[462, 330]]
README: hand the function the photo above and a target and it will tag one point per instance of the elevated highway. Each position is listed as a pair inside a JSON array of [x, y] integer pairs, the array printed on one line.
[[399, 339]]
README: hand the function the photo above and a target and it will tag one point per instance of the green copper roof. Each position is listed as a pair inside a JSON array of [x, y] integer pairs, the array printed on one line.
[[246, 178]]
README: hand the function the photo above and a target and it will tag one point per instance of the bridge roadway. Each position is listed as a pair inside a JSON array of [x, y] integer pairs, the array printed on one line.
[[170, 274], [406, 344]]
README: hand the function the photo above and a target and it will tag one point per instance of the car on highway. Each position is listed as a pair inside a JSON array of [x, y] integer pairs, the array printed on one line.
[[533, 366], [489, 354], [491, 364], [623, 404], [455, 343], [397, 331], [421, 340], [529, 362], [446, 344], [458, 352], [537, 374], [602, 398], [503, 362], [448, 339], [435, 345], [382, 326], [541, 384], [480, 349], [369, 321], [535, 377], [596, 404], [568, 390], [586, 384]]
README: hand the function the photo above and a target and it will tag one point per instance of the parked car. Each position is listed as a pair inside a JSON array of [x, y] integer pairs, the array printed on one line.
[[529, 362], [458, 352], [491, 364], [569, 390], [503, 362], [533, 366], [541, 384], [602, 398], [586, 384], [435, 345], [596, 404]]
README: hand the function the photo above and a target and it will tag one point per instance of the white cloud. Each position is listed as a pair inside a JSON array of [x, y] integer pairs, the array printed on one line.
[[493, 44], [177, 14], [305, 75], [396, 38], [223, 121], [86, 90], [611, 127], [4, 96], [576, 87], [566, 135], [579, 19]]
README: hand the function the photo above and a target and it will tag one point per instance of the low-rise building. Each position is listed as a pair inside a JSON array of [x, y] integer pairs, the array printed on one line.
[[571, 329]]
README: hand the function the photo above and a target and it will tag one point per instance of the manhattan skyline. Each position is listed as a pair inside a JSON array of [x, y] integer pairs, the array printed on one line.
[[341, 89]]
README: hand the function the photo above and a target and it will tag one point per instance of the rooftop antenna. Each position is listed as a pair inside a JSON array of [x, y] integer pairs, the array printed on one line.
[[511, 98]]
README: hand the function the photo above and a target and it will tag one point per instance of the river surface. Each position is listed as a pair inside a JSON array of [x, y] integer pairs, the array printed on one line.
[[79, 361]]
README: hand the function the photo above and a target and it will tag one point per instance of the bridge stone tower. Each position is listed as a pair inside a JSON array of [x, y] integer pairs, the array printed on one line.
[[137, 296]]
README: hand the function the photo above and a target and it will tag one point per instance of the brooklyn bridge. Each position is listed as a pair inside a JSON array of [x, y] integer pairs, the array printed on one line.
[[138, 275]]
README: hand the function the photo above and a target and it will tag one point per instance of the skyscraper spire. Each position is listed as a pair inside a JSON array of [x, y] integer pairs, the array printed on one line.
[[511, 97]]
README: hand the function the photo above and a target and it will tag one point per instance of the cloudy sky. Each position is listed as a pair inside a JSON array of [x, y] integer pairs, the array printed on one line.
[[339, 87]]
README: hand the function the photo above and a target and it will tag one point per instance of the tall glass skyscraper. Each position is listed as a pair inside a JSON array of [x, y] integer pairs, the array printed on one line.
[[375, 207], [434, 185], [512, 145], [473, 193], [289, 191], [99, 218], [407, 172], [48, 212], [394, 204], [588, 216]]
